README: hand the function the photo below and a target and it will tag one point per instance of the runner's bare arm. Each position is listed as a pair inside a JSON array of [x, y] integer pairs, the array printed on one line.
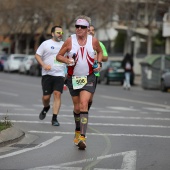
[[97, 48], [65, 48], [40, 61]]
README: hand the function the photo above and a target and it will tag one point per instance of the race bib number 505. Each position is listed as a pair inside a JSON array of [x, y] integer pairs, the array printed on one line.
[[79, 81]]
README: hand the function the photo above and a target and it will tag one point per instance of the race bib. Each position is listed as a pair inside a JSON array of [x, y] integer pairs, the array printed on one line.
[[56, 62], [79, 81]]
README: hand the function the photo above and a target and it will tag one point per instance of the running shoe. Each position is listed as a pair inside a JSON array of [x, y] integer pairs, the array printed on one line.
[[55, 123], [77, 134], [42, 114], [81, 142]]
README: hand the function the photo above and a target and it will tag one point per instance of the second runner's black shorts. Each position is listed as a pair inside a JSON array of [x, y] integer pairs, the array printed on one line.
[[52, 83]]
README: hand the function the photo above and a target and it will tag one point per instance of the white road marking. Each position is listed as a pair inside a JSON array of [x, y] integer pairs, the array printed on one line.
[[99, 117], [135, 101], [55, 168], [128, 163], [103, 134], [94, 124], [112, 111], [157, 109], [9, 105], [9, 94], [55, 138], [149, 113], [38, 105], [24, 109], [122, 108], [18, 82]]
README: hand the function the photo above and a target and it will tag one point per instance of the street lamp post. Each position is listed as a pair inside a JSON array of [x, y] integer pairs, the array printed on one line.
[[166, 31]]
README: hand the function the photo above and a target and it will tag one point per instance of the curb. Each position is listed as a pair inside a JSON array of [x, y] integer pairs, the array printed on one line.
[[10, 135]]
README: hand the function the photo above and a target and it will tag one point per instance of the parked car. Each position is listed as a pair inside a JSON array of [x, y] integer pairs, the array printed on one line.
[[35, 68], [3, 59], [101, 78], [112, 71], [165, 81], [25, 64], [13, 62]]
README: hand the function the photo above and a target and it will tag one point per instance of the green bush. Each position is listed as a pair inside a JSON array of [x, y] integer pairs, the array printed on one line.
[[5, 123]]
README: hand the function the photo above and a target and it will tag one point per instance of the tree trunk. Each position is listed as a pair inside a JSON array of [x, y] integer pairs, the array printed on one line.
[[27, 44], [16, 44], [149, 43]]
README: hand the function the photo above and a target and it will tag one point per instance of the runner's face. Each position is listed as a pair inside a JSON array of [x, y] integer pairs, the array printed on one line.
[[81, 31], [91, 31], [58, 34]]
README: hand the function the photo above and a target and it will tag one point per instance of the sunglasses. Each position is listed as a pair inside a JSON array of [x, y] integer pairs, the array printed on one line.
[[81, 26], [59, 32]]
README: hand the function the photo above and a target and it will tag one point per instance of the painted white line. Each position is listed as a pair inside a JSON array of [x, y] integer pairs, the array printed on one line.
[[129, 160], [131, 118], [148, 113], [9, 94], [128, 125], [55, 167], [104, 134], [128, 163], [38, 105], [37, 122], [93, 108], [9, 105], [90, 116], [135, 101], [104, 111], [94, 124], [29, 149], [157, 109], [17, 82], [24, 109], [122, 108]]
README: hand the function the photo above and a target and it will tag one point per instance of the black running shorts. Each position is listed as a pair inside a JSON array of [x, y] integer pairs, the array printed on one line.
[[90, 86], [52, 83]]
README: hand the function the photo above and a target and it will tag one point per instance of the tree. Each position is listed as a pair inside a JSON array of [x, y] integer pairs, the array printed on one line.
[[25, 19]]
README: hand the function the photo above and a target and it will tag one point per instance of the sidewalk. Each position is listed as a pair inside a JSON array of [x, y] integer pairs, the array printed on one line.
[[10, 135], [138, 80]]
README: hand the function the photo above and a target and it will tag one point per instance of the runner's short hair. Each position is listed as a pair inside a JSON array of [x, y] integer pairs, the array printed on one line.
[[53, 28], [92, 26]]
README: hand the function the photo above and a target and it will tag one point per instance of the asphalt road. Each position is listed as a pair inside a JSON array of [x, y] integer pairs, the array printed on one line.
[[128, 130]]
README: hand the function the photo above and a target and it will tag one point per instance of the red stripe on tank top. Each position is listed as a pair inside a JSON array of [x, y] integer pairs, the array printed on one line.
[[89, 64], [82, 51]]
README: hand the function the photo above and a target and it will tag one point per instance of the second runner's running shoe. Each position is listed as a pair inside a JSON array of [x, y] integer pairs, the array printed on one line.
[[76, 137], [42, 114], [82, 142]]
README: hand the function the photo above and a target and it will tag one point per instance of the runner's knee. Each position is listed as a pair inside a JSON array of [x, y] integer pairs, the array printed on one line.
[[83, 106], [56, 94], [46, 98]]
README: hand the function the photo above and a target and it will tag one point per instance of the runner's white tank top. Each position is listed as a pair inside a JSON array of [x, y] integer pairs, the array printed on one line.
[[84, 58]]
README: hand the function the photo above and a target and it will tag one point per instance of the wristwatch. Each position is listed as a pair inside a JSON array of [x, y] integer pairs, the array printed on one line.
[[100, 64]]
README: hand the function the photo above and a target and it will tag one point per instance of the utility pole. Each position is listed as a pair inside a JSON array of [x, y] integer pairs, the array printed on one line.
[[166, 31]]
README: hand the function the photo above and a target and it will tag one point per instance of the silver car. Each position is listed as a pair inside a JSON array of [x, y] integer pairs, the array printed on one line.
[[25, 64], [165, 81]]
